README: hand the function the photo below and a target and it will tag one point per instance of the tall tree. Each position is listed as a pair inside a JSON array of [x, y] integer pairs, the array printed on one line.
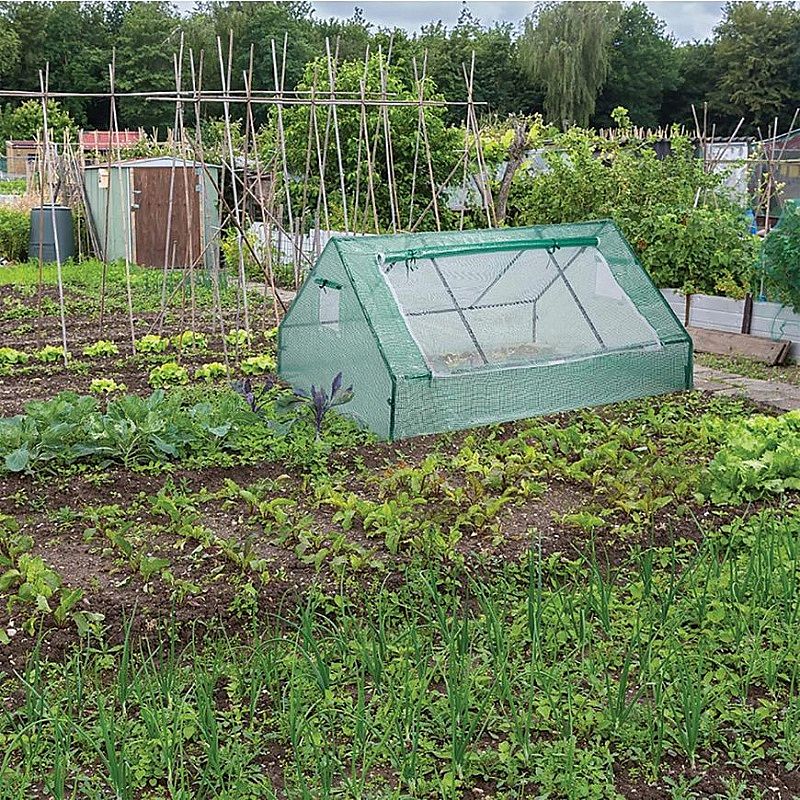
[[694, 85], [147, 38], [643, 66], [565, 48], [756, 60], [406, 149], [497, 81], [9, 48]]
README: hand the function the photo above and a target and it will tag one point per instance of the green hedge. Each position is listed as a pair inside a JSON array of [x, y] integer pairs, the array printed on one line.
[[15, 228]]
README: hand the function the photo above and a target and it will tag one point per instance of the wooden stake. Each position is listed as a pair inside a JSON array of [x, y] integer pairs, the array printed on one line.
[[44, 81]]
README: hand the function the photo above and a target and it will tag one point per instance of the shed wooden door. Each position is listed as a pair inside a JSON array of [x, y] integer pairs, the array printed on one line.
[[155, 237]]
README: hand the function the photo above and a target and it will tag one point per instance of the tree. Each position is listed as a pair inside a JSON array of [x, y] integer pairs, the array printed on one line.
[[497, 81], [29, 23], [259, 23], [26, 121], [9, 48], [445, 146], [756, 60], [643, 67], [147, 38], [694, 85], [565, 48]]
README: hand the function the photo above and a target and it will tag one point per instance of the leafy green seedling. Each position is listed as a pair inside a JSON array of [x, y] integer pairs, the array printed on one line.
[[169, 374], [238, 338], [190, 340], [152, 343], [258, 365], [49, 354], [101, 349], [106, 386], [10, 355], [214, 370]]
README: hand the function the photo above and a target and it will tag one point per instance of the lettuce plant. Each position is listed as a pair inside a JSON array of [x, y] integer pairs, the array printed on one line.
[[49, 354], [759, 456], [100, 349], [214, 370], [258, 365], [152, 343], [10, 355], [237, 338], [106, 386], [190, 340], [169, 374]]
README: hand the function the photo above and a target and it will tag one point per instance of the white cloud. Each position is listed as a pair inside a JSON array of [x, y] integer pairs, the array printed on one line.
[[685, 20]]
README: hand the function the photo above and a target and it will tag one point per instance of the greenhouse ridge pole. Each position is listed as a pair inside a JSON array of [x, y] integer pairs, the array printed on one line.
[[491, 247], [508, 304]]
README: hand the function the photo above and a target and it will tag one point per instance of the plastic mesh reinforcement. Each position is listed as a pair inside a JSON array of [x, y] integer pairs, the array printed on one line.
[[441, 331]]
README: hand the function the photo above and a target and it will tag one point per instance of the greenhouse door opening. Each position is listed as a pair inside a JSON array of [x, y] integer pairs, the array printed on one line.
[[449, 330]]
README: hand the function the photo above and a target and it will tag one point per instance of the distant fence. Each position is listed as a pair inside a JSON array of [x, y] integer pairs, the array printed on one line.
[[288, 248], [770, 320]]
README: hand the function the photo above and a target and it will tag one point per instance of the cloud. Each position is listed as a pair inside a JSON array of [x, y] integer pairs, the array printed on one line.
[[688, 20], [685, 20]]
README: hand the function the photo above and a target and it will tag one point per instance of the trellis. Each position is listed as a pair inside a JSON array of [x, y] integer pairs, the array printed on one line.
[[247, 173]]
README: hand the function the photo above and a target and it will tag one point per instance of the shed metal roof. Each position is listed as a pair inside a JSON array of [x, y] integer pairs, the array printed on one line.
[[156, 161]]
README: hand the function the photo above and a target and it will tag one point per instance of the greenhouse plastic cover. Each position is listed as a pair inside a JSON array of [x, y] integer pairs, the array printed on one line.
[[440, 331]]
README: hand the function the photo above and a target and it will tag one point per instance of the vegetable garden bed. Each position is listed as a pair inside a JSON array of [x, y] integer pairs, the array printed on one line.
[[595, 604]]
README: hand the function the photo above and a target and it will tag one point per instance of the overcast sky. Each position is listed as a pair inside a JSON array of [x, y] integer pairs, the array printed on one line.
[[685, 20]]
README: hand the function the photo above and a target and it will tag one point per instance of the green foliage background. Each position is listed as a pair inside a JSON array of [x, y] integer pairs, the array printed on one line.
[[698, 247]]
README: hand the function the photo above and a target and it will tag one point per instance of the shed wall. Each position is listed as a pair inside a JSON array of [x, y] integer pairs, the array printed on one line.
[[124, 190], [117, 197]]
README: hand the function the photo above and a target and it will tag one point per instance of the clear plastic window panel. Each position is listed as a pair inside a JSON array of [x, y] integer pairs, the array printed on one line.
[[515, 307], [329, 307]]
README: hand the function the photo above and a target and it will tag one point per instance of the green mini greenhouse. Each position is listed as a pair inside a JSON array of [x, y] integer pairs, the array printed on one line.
[[441, 331]]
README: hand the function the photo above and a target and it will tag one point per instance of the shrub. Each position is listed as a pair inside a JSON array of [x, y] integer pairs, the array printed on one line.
[[781, 258], [15, 228], [229, 247], [13, 186], [169, 374], [703, 248]]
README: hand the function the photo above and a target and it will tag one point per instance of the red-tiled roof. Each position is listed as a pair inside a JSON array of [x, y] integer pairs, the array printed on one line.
[[99, 140]]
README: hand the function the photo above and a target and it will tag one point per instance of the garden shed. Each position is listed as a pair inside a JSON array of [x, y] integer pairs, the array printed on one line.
[[441, 331], [155, 211]]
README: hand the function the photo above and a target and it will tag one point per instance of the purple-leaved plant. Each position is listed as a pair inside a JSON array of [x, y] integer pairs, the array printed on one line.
[[320, 401]]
